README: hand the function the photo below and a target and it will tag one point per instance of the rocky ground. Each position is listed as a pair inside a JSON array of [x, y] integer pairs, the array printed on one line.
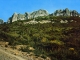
[[7, 53]]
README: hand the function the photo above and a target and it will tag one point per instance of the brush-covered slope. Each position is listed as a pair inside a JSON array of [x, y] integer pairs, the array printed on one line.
[[59, 41]]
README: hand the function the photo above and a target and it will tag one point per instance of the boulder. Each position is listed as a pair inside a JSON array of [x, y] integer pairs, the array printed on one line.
[[18, 47], [31, 48]]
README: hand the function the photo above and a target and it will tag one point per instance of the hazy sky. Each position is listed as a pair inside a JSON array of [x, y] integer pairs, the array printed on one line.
[[8, 7]]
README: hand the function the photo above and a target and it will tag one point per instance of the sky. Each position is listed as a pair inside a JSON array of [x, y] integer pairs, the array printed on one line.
[[8, 7]]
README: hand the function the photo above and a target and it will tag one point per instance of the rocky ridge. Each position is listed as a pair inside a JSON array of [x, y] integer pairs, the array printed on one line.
[[41, 12], [26, 16], [65, 12]]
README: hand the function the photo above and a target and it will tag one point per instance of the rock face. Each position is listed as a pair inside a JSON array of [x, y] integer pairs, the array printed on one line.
[[40, 12], [26, 16], [65, 12], [17, 16], [1, 21]]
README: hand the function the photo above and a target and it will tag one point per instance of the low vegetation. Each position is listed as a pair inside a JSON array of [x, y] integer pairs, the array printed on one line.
[[59, 41]]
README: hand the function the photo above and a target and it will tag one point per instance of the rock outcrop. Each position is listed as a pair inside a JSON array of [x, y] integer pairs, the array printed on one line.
[[65, 12], [40, 12], [19, 16], [26, 16], [1, 21]]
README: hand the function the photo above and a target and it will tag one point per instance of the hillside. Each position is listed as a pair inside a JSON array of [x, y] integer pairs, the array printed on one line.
[[58, 39], [41, 34]]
